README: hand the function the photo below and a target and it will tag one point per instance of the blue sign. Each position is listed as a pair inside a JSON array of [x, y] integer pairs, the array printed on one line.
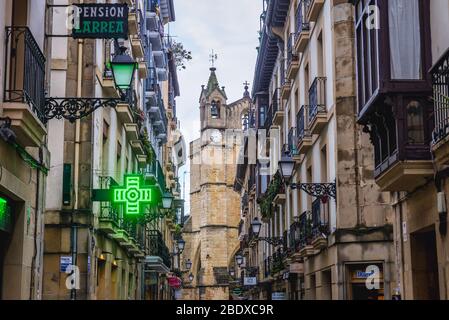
[[64, 262]]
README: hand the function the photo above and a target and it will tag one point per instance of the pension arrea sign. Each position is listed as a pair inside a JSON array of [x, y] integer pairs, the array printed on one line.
[[100, 21]]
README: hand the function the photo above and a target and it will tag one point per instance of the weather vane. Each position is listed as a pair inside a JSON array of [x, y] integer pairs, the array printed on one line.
[[213, 57]]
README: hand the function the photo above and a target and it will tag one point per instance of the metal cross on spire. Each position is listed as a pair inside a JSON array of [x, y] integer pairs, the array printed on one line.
[[212, 58]]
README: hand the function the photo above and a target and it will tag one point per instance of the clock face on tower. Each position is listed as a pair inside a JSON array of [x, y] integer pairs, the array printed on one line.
[[215, 136]]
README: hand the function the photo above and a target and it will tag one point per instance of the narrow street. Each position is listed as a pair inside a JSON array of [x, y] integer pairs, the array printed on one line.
[[199, 150]]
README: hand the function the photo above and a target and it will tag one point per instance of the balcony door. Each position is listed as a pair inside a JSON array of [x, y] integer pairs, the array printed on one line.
[[16, 52]]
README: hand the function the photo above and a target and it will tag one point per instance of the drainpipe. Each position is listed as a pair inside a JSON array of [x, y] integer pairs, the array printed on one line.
[[36, 214], [74, 231]]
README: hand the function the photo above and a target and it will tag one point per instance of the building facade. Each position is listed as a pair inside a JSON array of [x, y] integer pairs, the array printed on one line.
[[327, 228], [61, 236], [402, 106], [24, 156], [211, 232]]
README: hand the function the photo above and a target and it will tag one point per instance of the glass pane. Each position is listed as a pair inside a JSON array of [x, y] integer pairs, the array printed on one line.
[[415, 123], [405, 39]]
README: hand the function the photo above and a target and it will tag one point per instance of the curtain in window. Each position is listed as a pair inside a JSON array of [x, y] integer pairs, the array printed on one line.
[[405, 39]]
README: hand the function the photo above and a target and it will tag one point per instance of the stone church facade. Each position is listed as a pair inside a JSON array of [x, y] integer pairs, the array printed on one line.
[[211, 232]]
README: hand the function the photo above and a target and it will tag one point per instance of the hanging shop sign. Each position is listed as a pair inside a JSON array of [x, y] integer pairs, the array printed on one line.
[[250, 281], [278, 296], [174, 282], [100, 21]]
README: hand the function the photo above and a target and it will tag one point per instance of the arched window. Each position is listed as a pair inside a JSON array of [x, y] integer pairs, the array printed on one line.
[[215, 109], [245, 120]]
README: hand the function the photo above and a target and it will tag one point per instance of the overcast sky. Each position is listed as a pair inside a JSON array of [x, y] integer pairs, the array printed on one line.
[[230, 28]]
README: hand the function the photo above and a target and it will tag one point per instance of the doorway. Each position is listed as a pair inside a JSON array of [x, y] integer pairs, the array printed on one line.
[[424, 264]]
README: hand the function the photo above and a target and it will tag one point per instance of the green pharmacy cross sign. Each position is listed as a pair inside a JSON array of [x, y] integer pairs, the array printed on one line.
[[133, 194]]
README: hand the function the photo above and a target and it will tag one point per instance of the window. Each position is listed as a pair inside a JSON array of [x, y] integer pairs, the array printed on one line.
[[245, 120], [405, 39], [215, 109], [393, 49], [415, 123]]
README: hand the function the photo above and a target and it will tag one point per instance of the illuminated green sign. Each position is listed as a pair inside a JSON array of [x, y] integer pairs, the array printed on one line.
[[5, 216], [3, 205], [100, 21], [133, 195]]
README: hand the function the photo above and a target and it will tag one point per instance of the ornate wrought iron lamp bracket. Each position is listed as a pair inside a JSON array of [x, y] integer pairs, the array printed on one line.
[[73, 109], [274, 241], [318, 190]]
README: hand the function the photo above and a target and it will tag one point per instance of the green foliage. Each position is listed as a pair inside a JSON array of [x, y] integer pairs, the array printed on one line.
[[147, 146], [266, 206], [181, 55]]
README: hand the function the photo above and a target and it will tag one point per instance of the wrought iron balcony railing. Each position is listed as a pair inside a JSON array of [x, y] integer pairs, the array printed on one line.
[[305, 229], [301, 125], [267, 267], [24, 70], [275, 102], [285, 241], [292, 142], [157, 246], [244, 203], [291, 56], [440, 83], [317, 98], [294, 235], [320, 220], [301, 22]]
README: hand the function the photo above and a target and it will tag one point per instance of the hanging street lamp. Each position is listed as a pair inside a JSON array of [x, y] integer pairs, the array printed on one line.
[[188, 264], [167, 200], [181, 245], [239, 259], [318, 190], [123, 69], [256, 225]]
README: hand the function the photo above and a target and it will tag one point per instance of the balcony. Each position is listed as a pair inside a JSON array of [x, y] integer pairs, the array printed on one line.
[[313, 9], [138, 40], [440, 83], [244, 204], [133, 25], [267, 267], [24, 91], [132, 131], [292, 58], [286, 85], [317, 106], [268, 119], [320, 225], [293, 144], [125, 113], [158, 258], [158, 116], [302, 29], [108, 222], [304, 138], [137, 147], [121, 235], [154, 174], [277, 109], [305, 245]]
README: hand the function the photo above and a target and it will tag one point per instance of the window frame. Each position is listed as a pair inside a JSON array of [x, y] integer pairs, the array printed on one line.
[[386, 85]]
